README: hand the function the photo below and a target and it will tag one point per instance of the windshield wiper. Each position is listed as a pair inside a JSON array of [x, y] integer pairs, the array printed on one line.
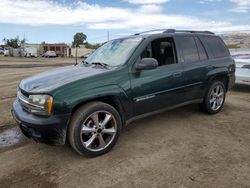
[[99, 63]]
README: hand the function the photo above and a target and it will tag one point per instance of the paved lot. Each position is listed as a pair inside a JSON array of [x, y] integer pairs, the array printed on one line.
[[179, 148]]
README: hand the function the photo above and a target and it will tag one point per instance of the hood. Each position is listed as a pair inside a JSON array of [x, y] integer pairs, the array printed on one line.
[[53, 79]]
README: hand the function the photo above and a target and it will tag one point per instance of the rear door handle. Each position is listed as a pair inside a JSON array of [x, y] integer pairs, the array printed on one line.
[[177, 74]]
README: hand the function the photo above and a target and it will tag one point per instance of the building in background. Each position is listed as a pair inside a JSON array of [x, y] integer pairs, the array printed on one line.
[[29, 45], [60, 48], [31, 50]]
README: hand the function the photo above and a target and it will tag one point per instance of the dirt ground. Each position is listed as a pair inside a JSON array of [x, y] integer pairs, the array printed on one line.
[[12, 70], [178, 148]]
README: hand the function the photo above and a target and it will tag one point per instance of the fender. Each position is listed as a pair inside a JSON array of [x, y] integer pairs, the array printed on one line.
[[80, 96]]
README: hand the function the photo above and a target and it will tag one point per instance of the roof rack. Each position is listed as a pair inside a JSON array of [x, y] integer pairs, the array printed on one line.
[[150, 31], [186, 31], [175, 31]]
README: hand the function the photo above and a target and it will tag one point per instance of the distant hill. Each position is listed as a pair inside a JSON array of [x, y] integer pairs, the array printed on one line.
[[236, 39]]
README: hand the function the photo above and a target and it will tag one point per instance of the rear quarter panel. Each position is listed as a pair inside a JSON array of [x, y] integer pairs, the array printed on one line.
[[222, 67]]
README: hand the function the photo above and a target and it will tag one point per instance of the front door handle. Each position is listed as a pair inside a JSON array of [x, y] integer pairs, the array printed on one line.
[[177, 74]]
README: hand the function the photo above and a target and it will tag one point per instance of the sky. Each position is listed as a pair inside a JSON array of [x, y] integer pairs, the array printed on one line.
[[55, 21]]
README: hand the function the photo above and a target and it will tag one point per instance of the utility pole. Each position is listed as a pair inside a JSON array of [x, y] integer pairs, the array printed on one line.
[[22, 53], [76, 55], [24, 39]]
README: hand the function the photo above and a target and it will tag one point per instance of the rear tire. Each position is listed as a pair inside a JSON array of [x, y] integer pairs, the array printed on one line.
[[94, 129], [214, 98]]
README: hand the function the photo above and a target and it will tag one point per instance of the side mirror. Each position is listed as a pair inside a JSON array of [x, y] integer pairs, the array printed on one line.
[[146, 64]]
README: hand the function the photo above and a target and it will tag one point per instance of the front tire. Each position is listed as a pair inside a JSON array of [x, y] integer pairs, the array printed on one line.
[[94, 129], [214, 98]]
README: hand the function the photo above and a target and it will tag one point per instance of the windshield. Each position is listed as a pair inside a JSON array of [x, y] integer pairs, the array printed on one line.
[[115, 52]]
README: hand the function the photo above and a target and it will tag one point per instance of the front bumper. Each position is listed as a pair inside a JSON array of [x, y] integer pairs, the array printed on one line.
[[49, 130]]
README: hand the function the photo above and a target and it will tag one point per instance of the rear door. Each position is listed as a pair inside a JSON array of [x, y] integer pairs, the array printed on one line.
[[195, 66]]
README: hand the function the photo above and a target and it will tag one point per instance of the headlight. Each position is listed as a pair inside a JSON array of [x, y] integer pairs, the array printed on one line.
[[42, 104]]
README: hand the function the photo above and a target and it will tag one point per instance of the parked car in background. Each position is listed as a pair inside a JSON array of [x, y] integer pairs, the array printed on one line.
[[242, 73], [6, 52], [50, 54], [241, 56], [30, 52], [1, 51]]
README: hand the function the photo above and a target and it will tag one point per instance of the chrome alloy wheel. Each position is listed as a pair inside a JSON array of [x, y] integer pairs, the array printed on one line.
[[98, 131], [216, 97]]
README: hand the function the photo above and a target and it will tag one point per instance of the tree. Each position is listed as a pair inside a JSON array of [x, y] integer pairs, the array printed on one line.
[[14, 42], [23, 41], [79, 39], [91, 46]]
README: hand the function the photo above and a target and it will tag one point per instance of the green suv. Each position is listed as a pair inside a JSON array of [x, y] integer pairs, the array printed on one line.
[[123, 80]]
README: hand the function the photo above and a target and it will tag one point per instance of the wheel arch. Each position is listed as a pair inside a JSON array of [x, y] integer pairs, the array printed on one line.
[[220, 74], [112, 100], [224, 78]]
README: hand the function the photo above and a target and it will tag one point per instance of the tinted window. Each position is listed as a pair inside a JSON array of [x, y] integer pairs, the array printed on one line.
[[189, 49], [215, 46], [201, 50], [162, 50]]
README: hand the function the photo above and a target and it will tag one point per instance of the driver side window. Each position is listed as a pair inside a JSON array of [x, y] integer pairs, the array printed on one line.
[[163, 50]]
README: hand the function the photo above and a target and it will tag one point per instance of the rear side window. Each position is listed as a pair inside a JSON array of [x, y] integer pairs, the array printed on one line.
[[201, 50], [189, 49], [215, 46]]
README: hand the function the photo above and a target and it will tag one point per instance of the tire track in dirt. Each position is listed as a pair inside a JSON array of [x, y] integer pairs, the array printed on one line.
[[9, 97]]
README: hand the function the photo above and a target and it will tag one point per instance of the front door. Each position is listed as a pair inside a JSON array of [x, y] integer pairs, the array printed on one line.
[[161, 87]]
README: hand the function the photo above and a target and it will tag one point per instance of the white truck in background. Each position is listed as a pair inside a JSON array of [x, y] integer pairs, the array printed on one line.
[[30, 52], [242, 62]]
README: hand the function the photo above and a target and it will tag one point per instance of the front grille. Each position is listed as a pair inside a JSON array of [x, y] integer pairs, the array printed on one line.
[[23, 100]]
